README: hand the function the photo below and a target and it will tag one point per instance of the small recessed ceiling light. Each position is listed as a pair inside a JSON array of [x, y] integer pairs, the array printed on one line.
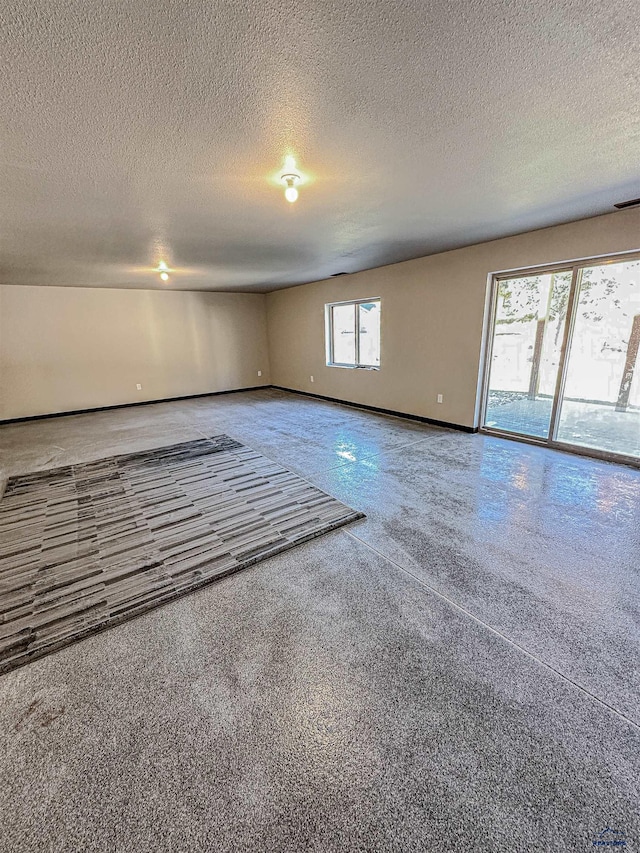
[[163, 269], [164, 276]]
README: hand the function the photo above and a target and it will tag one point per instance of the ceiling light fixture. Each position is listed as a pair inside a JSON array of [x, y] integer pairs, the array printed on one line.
[[290, 179], [163, 269]]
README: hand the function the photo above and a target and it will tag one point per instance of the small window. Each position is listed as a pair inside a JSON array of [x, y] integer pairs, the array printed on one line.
[[353, 333]]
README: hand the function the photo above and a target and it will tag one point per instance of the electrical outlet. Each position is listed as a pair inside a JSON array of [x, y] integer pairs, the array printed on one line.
[[259, 373], [311, 377], [439, 398], [139, 387]]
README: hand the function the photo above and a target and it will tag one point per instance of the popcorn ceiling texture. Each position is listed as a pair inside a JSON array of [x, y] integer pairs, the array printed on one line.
[[139, 130]]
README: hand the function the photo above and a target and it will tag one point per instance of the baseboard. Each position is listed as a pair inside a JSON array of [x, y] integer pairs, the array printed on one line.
[[423, 420], [419, 418], [129, 405]]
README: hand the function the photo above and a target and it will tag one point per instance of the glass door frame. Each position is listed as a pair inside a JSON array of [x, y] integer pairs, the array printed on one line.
[[572, 305]]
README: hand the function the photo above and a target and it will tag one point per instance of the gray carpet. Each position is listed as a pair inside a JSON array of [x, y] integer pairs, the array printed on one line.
[[85, 547]]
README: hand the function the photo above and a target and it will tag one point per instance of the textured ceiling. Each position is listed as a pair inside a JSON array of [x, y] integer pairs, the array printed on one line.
[[138, 131]]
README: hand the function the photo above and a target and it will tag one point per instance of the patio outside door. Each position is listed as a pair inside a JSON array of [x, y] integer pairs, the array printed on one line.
[[563, 365]]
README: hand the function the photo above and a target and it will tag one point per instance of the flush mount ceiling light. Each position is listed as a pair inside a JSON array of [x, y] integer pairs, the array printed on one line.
[[290, 179], [163, 269]]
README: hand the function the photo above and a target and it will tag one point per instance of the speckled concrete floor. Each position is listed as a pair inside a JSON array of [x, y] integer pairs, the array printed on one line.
[[459, 671]]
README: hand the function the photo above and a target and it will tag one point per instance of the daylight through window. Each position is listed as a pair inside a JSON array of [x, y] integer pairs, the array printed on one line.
[[564, 364], [353, 333]]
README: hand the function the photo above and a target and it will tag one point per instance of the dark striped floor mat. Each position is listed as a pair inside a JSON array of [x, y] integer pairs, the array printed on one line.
[[87, 546]]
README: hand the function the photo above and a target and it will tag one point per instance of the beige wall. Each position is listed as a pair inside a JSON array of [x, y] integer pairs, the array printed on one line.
[[77, 348], [432, 319], [66, 348]]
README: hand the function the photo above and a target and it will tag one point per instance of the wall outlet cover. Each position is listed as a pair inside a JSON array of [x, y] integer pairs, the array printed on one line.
[[139, 387]]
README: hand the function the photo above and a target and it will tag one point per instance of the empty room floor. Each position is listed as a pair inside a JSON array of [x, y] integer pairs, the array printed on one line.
[[456, 671]]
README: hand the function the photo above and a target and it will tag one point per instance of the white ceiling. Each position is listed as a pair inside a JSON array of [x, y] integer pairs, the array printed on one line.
[[133, 131]]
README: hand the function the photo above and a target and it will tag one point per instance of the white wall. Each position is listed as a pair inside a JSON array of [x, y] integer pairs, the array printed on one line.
[[67, 348], [432, 319]]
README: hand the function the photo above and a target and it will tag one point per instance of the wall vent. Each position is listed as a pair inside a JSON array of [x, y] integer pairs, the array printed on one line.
[[631, 203]]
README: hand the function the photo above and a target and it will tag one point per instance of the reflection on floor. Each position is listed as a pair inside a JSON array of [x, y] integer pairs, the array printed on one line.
[[457, 672], [593, 425]]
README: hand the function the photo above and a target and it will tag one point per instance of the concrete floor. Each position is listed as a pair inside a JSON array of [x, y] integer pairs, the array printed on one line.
[[459, 671]]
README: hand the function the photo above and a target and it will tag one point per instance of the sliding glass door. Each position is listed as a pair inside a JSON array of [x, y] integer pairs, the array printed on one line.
[[600, 406], [563, 364], [528, 334]]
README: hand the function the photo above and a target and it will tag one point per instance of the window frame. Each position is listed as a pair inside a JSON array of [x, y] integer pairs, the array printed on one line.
[[329, 306]]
